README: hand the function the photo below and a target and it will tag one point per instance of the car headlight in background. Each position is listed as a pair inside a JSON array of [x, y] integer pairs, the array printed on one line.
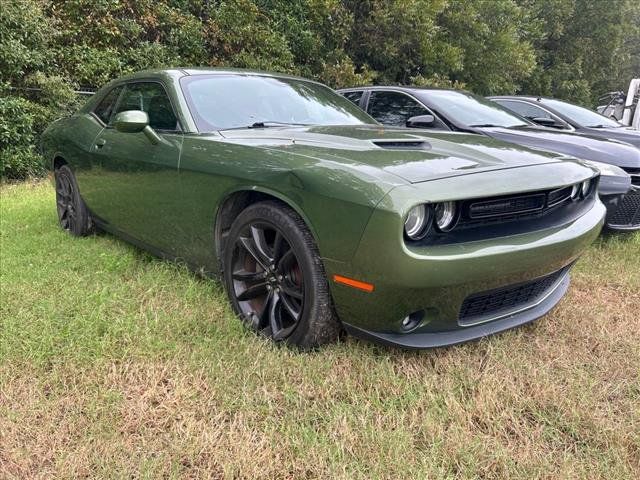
[[445, 215], [418, 222], [607, 169]]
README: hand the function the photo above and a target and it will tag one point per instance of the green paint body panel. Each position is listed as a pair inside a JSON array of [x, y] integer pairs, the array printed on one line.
[[350, 189]]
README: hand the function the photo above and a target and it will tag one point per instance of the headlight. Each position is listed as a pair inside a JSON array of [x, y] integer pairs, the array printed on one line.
[[586, 186], [445, 213], [575, 192], [606, 169], [417, 223]]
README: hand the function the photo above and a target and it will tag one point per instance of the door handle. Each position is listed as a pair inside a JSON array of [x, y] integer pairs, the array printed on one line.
[[100, 143]]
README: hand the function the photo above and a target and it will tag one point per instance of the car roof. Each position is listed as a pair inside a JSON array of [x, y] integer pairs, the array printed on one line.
[[193, 71], [398, 87], [522, 97]]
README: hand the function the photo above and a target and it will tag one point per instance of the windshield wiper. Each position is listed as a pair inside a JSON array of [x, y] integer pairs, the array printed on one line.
[[481, 125], [269, 124], [274, 123]]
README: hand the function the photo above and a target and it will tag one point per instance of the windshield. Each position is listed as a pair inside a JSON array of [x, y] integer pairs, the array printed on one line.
[[580, 115], [471, 110], [219, 102]]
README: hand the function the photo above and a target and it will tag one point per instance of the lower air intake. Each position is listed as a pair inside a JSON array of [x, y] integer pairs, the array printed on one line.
[[628, 212], [485, 306]]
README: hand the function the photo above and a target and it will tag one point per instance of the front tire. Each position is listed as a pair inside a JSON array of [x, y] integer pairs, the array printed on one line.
[[275, 279], [73, 215]]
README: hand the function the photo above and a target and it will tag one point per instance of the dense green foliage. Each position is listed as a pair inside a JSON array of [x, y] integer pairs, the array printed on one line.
[[574, 49]]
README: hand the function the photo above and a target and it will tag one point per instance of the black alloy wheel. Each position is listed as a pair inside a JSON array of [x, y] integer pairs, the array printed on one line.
[[267, 280], [275, 278], [73, 215]]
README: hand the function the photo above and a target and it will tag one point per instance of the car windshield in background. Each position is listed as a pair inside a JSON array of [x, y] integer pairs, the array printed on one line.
[[580, 115], [471, 110], [220, 102]]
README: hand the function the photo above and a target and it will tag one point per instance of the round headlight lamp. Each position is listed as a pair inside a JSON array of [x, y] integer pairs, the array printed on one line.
[[445, 213], [416, 225], [586, 186], [575, 191]]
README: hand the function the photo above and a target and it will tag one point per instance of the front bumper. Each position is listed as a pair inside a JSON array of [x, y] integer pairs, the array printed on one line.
[[623, 211], [622, 201], [445, 338], [437, 280]]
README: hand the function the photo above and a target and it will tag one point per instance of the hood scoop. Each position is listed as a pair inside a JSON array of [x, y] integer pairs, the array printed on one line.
[[403, 144]]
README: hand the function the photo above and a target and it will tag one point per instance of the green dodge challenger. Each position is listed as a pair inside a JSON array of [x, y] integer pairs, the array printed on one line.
[[316, 217]]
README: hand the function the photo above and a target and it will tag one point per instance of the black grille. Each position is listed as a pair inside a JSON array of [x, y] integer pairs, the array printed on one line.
[[515, 207], [558, 196], [507, 206], [628, 212], [484, 305]]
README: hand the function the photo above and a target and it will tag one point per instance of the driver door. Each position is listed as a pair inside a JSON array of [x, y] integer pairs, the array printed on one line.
[[138, 192]]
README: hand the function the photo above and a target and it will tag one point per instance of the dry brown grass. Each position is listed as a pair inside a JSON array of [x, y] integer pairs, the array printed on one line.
[[139, 370]]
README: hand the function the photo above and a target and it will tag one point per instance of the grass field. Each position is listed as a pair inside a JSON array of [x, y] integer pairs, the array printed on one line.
[[114, 364]]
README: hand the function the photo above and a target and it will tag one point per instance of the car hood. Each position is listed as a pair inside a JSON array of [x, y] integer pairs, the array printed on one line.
[[622, 134], [581, 146], [412, 155]]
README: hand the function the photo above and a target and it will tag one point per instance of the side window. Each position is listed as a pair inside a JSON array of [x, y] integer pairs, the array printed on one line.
[[149, 97], [394, 108], [105, 107], [355, 97], [525, 110]]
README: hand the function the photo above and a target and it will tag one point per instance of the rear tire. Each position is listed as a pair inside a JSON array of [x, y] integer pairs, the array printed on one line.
[[73, 214], [275, 279]]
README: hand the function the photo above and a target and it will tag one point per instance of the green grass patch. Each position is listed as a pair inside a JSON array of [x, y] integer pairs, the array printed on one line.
[[117, 364]]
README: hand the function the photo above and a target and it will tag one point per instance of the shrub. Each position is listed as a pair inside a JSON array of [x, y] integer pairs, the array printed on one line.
[[18, 126], [575, 49]]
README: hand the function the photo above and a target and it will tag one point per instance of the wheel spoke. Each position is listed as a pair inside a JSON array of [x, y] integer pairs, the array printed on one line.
[[279, 245], [64, 219], [250, 247], [263, 317], [287, 257], [244, 276], [260, 242], [252, 292], [65, 188], [274, 318], [290, 307], [292, 291]]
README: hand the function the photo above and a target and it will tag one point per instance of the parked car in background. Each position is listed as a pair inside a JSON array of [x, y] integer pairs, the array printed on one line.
[[460, 111], [316, 216], [553, 113]]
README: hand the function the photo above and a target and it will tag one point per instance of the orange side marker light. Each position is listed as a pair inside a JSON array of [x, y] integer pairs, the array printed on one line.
[[364, 286]]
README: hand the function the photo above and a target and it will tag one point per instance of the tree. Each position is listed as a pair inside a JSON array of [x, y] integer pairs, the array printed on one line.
[[582, 47], [487, 38]]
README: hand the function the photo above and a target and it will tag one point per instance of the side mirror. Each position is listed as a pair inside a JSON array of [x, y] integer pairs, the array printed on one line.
[[546, 122], [131, 121], [134, 121], [421, 121]]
